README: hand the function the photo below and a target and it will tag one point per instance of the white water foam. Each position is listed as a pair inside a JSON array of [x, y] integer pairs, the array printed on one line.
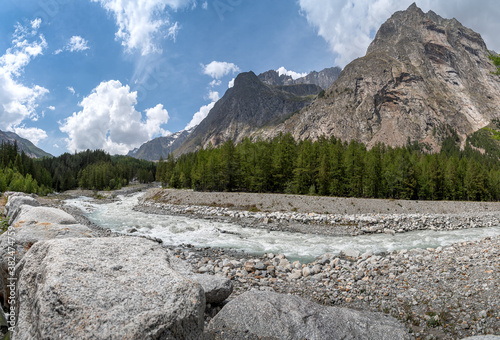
[[176, 230]]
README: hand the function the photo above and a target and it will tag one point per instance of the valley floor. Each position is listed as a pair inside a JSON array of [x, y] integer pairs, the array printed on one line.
[[444, 293]]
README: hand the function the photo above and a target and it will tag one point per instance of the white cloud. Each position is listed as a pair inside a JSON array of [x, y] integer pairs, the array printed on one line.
[[292, 74], [349, 26], [213, 96], [231, 83], [173, 31], [219, 69], [51, 108], [141, 22], [34, 135], [215, 82], [205, 5], [35, 24], [200, 115], [18, 102], [77, 44], [109, 121], [71, 89]]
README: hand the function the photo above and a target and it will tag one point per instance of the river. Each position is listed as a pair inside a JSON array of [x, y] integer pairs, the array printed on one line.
[[120, 217]]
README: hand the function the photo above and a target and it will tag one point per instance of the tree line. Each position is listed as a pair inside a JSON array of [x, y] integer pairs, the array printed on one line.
[[94, 170], [331, 167]]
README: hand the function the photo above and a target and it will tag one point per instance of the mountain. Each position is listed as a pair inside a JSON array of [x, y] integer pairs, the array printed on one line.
[[247, 107], [23, 144], [421, 76], [160, 147], [323, 79]]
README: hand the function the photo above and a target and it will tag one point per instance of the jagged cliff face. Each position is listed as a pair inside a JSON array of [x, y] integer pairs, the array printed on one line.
[[421, 74], [323, 78], [160, 147], [246, 108]]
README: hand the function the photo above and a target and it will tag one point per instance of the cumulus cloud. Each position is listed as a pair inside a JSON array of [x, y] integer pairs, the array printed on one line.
[[349, 26], [51, 108], [231, 83], [75, 44], [34, 135], [141, 22], [109, 121], [219, 69], [292, 74], [200, 115], [18, 102]]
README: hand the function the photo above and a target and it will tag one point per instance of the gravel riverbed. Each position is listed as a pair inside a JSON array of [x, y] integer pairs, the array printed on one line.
[[443, 293]]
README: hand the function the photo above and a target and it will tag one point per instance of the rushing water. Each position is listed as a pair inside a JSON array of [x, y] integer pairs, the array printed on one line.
[[175, 230]]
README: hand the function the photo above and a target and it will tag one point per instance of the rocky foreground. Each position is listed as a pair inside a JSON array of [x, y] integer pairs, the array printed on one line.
[[446, 293], [75, 277]]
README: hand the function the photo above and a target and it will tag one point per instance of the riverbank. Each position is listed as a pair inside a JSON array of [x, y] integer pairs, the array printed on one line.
[[446, 293], [340, 216]]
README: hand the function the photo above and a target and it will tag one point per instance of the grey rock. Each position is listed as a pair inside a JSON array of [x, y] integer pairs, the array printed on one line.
[[105, 288], [483, 337], [22, 236], [43, 215], [217, 289], [350, 254], [15, 202], [272, 315]]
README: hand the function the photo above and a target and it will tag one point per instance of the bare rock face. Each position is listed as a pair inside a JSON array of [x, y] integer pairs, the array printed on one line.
[[105, 288], [269, 315], [323, 78], [245, 108], [421, 75]]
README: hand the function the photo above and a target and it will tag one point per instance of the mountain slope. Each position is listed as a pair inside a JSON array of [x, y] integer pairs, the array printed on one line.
[[323, 78], [247, 107], [421, 75], [23, 144], [160, 147]]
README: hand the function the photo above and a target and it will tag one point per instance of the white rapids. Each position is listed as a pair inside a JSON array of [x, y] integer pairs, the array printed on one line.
[[120, 217]]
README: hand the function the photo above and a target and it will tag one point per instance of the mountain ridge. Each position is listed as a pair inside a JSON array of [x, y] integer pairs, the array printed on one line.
[[23, 144], [421, 75]]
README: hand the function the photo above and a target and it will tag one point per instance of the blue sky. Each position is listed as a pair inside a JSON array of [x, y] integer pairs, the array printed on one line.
[[113, 74]]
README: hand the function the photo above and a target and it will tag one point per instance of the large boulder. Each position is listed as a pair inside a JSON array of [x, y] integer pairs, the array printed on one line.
[[270, 315], [21, 236], [15, 202], [105, 288], [216, 288], [43, 215]]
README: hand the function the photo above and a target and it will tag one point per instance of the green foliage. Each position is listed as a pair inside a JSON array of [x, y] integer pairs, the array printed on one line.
[[88, 170], [332, 167], [496, 62]]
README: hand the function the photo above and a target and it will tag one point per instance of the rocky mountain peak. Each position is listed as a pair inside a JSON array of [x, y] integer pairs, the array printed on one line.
[[422, 75]]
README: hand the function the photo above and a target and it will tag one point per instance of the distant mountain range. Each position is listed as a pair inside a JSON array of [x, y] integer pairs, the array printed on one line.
[[323, 78], [422, 77], [23, 144], [247, 107], [160, 147], [253, 102]]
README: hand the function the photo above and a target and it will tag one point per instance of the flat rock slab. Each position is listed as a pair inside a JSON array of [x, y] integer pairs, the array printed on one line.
[[105, 288], [22, 236], [15, 202], [43, 215], [271, 315]]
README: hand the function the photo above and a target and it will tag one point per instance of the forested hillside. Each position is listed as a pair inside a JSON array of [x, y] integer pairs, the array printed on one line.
[[87, 170], [333, 167]]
